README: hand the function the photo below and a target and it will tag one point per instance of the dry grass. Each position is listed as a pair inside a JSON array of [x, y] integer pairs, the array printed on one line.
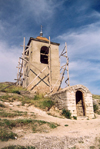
[[12, 113], [19, 147], [10, 87], [7, 127], [5, 135], [96, 96]]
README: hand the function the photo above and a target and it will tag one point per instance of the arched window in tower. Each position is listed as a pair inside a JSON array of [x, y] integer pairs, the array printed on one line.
[[44, 55]]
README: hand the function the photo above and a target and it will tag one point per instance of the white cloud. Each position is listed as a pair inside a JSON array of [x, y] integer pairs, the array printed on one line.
[[1, 26], [41, 9], [84, 43], [95, 14], [84, 56], [83, 37], [8, 62]]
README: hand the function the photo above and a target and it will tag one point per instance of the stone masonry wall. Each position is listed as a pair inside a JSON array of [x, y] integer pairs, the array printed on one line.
[[60, 100], [89, 106], [71, 102], [34, 58]]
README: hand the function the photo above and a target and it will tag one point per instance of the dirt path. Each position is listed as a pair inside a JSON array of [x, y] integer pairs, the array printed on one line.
[[79, 133]]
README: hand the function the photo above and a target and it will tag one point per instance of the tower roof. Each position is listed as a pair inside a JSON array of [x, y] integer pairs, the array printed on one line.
[[42, 38]]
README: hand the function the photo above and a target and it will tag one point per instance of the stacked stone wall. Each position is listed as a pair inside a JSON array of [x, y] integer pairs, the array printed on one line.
[[60, 100], [71, 102], [89, 106]]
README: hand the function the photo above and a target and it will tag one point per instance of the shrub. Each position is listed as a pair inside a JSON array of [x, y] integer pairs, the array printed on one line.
[[5, 135], [66, 125], [95, 107], [3, 90], [36, 97], [4, 98], [19, 147], [1, 105], [74, 117], [92, 147], [16, 91], [52, 125], [98, 112], [23, 103], [48, 103], [66, 113]]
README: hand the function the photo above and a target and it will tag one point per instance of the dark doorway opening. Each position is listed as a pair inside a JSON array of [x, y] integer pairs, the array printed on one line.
[[44, 55], [80, 104]]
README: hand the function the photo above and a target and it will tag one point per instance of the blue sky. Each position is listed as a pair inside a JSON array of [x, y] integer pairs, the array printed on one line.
[[76, 22]]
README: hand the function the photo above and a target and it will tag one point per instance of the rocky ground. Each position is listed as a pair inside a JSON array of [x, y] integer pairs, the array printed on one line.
[[70, 134]]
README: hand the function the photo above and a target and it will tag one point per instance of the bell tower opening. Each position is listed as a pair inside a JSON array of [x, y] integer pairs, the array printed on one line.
[[44, 55], [80, 104]]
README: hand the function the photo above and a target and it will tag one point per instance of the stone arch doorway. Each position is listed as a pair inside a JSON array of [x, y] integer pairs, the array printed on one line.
[[80, 104]]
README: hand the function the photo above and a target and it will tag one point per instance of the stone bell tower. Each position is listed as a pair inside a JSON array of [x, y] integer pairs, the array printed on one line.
[[41, 66]]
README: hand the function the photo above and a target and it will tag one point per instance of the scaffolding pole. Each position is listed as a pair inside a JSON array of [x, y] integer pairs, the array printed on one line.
[[50, 65], [67, 59], [23, 55]]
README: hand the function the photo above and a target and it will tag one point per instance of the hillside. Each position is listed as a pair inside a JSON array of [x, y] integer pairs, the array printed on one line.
[[32, 121]]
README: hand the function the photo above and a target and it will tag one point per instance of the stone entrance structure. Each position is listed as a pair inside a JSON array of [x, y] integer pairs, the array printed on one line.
[[77, 99]]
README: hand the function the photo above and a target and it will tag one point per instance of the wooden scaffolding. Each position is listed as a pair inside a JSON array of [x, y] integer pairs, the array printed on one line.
[[24, 60]]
